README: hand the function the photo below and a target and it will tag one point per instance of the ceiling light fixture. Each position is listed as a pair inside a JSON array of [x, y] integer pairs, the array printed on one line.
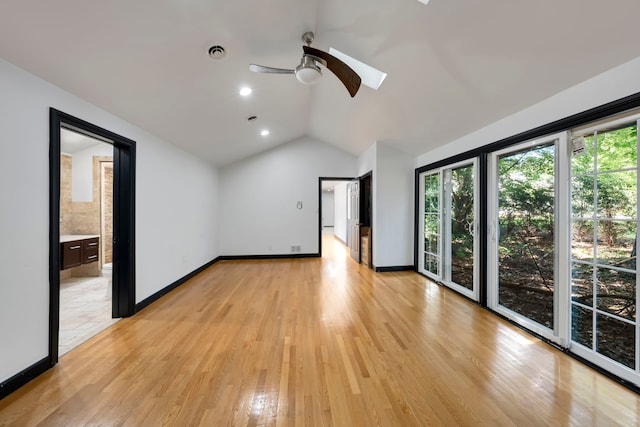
[[308, 71], [245, 91], [424, 1], [265, 132]]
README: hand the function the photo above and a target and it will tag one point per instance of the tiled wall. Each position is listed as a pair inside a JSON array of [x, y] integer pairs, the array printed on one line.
[[107, 211], [84, 217]]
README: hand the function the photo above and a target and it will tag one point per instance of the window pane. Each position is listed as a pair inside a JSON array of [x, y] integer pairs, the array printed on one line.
[[617, 293], [617, 149], [617, 195], [616, 243], [616, 339], [431, 244], [526, 199], [582, 196], [431, 224], [431, 264], [432, 193], [582, 163], [582, 284], [582, 326], [582, 240]]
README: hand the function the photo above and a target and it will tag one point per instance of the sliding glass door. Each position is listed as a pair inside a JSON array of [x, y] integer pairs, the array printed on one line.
[[604, 224], [561, 237], [449, 234], [525, 244]]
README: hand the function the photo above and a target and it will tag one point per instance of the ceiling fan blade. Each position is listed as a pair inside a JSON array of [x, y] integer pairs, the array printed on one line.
[[262, 69], [347, 76]]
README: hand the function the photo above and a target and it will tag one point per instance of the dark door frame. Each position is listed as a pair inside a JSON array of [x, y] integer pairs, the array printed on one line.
[[123, 281]]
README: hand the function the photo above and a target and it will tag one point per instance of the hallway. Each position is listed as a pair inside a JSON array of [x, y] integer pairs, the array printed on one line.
[[317, 341]]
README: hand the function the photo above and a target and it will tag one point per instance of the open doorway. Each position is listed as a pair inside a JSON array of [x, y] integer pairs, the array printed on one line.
[[92, 199], [334, 209], [86, 235], [345, 216]]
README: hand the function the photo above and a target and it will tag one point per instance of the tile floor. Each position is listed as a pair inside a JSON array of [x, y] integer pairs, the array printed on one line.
[[85, 310]]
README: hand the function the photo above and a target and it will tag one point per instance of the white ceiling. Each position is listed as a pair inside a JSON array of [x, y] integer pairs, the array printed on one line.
[[453, 66]]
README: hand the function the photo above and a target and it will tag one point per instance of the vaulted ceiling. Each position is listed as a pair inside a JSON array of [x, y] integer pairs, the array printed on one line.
[[453, 65]]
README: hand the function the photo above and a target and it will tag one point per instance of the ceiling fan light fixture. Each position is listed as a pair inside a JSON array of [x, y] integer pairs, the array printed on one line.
[[308, 76], [308, 72]]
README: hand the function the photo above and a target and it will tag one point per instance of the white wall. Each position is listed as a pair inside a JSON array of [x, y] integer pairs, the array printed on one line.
[[258, 197], [82, 171], [609, 86], [176, 211], [328, 209], [340, 212], [395, 205], [392, 204]]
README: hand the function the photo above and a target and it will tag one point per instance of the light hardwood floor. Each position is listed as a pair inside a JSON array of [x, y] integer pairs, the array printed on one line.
[[317, 342]]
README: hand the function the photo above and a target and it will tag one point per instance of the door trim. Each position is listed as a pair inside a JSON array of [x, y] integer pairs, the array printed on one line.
[[123, 281]]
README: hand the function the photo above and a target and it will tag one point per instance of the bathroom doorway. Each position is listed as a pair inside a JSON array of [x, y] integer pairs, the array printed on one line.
[[92, 246], [86, 235]]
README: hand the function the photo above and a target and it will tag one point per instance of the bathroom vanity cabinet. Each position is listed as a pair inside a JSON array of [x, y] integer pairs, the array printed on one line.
[[76, 250]]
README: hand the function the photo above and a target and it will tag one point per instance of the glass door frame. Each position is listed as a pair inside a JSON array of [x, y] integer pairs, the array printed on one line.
[[560, 333], [445, 229]]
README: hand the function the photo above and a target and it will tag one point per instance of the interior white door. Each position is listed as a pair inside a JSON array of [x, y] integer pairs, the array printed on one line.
[[353, 219]]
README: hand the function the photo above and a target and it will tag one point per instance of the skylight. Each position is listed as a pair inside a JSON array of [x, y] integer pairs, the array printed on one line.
[[369, 75]]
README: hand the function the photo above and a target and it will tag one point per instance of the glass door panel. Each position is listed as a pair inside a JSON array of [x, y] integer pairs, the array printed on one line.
[[432, 237], [603, 248], [526, 259], [462, 226], [449, 235]]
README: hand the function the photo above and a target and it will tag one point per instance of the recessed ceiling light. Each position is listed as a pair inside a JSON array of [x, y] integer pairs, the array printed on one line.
[[245, 91], [369, 75], [264, 132], [424, 1]]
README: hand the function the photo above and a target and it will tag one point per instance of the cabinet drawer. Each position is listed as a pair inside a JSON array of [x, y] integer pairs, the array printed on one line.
[[90, 250], [71, 254]]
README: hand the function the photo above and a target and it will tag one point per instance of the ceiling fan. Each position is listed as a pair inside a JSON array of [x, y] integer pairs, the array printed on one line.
[[308, 72]]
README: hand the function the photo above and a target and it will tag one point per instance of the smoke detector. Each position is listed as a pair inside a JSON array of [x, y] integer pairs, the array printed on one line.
[[216, 52]]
